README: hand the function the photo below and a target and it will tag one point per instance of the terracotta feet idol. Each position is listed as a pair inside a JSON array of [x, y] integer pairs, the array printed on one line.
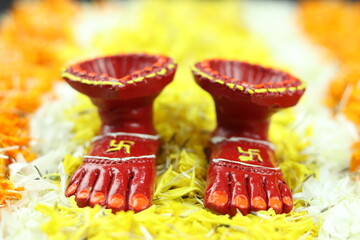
[[119, 171], [243, 174]]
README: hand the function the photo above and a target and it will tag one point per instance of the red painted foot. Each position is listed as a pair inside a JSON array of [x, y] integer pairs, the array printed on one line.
[[243, 175], [119, 171]]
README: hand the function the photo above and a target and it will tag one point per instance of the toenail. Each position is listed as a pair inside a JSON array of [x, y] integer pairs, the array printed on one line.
[[71, 190], [218, 198], [83, 194], [241, 201], [139, 201], [116, 201], [259, 203], [98, 197], [275, 203], [287, 200]]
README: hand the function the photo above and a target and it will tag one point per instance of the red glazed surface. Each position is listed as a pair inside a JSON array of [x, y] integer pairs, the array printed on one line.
[[119, 171], [243, 174]]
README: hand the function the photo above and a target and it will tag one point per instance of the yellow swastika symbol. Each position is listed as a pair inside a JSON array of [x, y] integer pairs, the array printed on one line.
[[249, 155], [126, 145]]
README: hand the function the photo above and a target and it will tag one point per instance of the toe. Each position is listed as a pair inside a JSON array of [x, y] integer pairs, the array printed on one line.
[[257, 193], [71, 189], [85, 188], [218, 198], [142, 185], [118, 189], [74, 182], [273, 195], [217, 191], [117, 202], [139, 201], [240, 196], [97, 198], [286, 197], [101, 188]]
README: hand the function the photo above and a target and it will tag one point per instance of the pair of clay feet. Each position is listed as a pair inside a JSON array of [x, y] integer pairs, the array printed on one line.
[[119, 171]]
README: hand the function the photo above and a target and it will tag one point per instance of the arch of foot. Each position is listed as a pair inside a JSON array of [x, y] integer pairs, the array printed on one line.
[[119, 170], [243, 175]]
